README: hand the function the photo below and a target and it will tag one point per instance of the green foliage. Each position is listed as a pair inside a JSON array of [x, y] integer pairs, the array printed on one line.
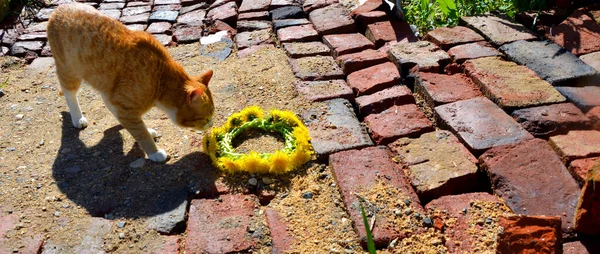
[[4, 84], [370, 242]]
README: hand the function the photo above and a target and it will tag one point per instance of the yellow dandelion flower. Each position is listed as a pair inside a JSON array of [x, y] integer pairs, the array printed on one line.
[[280, 162], [252, 112], [235, 120], [250, 162], [299, 157], [228, 164]]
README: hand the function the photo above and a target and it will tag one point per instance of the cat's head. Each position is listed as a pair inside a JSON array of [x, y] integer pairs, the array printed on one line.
[[197, 112]]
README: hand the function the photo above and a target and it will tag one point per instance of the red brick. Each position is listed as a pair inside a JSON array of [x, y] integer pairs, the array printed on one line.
[[324, 90], [310, 5], [333, 19], [384, 99], [316, 68], [439, 89], [510, 85], [578, 34], [222, 26], [581, 247], [480, 124], [159, 27], [193, 18], [304, 49], [460, 210], [253, 25], [592, 59], [227, 13], [342, 44], [361, 60], [282, 240], [364, 19], [26, 243], [577, 144], [135, 19], [359, 170], [530, 177], [474, 50], [334, 127], [530, 234], [398, 122], [374, 78], [297, 33], [254, 5], [259, 15], [218, 3], [164, 39], [448, 37], [585, 97], [170, 245], [551, 119], [423, 54], [368, 6], [247, 39], [579, 168], [187, 34], [438, 163], [386, 31], [281, 3], [253, 49], [220, 226], [594, 116]]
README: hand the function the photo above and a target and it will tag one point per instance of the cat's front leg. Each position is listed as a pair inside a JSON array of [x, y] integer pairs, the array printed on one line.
[[135, 125]]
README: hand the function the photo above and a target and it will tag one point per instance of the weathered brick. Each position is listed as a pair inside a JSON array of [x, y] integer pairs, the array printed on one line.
[[135, 19], [592, 59], [43, 14], [253, 25], [192, 2], [577, 144], [438, 163], [115, 14], [138, 3], [222, 26], [461, 211], [480, 124], [498, 30], [20, 48], [551, 119], [164, 39], [364, 19], [368, 6], [227, 13], [254, 5], [361, 60], [282, 23], [316, 68], [253, 49], [529, 234], [304, 49], [398, 122], [8, 36], [587, 220], [111, 6], [584, 97], [259, 15], [282, 240], [287, 12], [220, 226], [187, 34], [169, 245], [510, 85], [359, 170], [185, 8], [166, 2], [448, 37], [333, 19], [298, 33], [136, 27], [384, 99], [551, 62], [439, 89], [166, 16], [158, 27], [324, 90], [543, 19], [388, 31], [578, 34], [90, 241], [169, 221], [374, 78], [530, 177], [281, 3], [36, 27], [425, 55], [594, 115], [342, 44], [578, 247], [193, 18], [35, 36], [23, 241], [218, 3], [247, 39], [335, 128], [465, 52], [310, 5], [579, 168]]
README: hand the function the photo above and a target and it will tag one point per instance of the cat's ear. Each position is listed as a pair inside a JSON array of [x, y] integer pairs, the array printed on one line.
[[195, 95], [205, 77]]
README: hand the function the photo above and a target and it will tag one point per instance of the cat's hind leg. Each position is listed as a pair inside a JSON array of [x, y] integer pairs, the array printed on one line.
[[69, 87]]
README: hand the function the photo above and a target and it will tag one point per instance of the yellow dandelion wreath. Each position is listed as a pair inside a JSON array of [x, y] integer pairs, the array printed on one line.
[[218, 143]]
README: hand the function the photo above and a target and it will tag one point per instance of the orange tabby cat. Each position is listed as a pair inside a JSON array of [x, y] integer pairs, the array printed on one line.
[[132, 71]]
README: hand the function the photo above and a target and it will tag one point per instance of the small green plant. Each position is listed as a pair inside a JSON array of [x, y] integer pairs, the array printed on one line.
[[370, 242], [4, 83]]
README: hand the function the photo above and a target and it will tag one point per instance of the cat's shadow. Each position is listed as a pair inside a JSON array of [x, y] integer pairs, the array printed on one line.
[[100, 179]]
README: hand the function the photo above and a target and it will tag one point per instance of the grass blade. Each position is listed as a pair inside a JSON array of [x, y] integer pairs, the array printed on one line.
[[370, 242]]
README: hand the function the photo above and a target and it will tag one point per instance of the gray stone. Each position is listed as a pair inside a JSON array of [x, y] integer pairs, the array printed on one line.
[[498, 30], [115, 14], [194, 7], [138, 163], [111, 6], [158, 27], [43, 14], [287, 12], [347, 134], [219, 50], [8, 36], [40, 65], [21, 47], [4, 51], [136, 27], [131, 11], [135, 19], [168, 16], [253, 25], [193, 18], [585, 97], [551, 62], [164, 39], [36, 27], [169, 222], [282, 23], [42, 36]]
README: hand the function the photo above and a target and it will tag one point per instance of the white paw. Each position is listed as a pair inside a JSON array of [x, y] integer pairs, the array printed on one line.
[[158, 156], [152, 132], [80, 123]]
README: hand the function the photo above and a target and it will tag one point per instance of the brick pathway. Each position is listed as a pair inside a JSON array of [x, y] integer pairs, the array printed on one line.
[[521, 119]]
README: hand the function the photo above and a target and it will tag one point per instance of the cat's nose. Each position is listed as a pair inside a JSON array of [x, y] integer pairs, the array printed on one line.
[[208, 125]]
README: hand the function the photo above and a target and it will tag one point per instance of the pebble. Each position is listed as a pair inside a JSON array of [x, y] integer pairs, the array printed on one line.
[[252, 181], [284, 195], [307, 195], [407, 211], [42, 142], [19, 116], [2, 93], [488, 220], [57, 213], [427, 222], [267, 180], [464, 210], [138, 163], [121, 235], [10, 149], [407, 201], [121, 224]]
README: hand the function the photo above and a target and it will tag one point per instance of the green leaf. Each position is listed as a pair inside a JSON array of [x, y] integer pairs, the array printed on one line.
[[370, 242], [4, 84]]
